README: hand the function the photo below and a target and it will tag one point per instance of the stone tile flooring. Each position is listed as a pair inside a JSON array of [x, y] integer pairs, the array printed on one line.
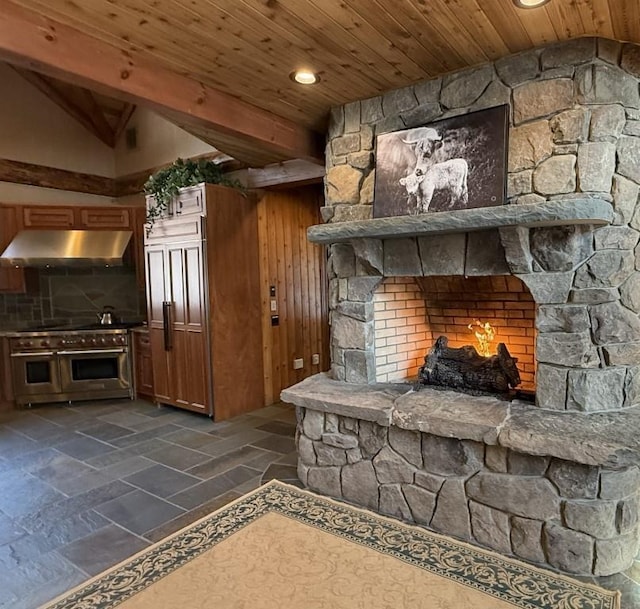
[[84, 486]]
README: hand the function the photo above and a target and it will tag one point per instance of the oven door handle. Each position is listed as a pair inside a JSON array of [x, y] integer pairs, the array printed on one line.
[[91, 352], [166, 326], [33, 354]]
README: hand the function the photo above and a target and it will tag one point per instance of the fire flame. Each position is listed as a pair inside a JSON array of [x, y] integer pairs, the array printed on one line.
[[484, 334]]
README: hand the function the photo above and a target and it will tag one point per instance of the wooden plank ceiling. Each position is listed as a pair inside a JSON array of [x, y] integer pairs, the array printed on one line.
[[360, 48]]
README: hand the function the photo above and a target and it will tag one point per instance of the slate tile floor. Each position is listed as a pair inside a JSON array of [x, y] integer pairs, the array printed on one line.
[[84, 486]]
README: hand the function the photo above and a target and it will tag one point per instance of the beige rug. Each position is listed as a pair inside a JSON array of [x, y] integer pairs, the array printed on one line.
[[283, 548]]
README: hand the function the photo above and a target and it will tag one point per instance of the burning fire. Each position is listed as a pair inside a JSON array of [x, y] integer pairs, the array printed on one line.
[[484, 334]]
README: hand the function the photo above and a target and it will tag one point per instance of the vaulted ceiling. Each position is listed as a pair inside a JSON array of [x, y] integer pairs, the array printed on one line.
[[104, 117], [246, 49]]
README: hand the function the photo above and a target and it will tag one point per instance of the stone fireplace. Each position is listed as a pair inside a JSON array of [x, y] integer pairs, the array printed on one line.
[[556, 270]]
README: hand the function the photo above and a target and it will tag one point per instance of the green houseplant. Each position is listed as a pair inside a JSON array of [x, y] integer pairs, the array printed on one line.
[[165, 183]]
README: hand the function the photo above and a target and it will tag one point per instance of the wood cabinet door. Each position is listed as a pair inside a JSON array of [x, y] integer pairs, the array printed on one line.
[[161, 367], [155, 263], [11, 279], [143, 364], [156, 296], [6, 384], [105, 217], [185, 284], [175, 276], [198, 371], [139, 219], [189, 201], [47, 216]]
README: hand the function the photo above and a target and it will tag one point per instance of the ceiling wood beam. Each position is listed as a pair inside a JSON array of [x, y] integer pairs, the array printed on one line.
[[45, 86], [288, 173], [41, 44], [96, 116], [18, 172], [123, 120]]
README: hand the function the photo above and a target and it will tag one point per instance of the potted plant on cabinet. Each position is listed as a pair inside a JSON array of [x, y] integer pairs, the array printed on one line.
[[164, 185]]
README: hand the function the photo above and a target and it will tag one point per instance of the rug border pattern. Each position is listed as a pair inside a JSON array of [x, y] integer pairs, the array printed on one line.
[[500, 577]]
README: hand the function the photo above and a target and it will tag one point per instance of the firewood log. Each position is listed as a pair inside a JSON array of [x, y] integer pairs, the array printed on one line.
[[465, 369]]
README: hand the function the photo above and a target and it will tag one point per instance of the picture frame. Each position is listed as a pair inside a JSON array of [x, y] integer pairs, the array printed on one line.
[[454, 163]]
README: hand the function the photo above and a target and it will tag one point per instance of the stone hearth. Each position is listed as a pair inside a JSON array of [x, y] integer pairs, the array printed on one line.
[[540, 486], [556, 483]]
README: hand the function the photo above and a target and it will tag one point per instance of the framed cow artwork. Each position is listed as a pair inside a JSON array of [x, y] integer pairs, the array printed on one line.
[[454, 163]]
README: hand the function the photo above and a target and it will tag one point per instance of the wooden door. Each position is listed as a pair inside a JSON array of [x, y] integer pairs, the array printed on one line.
[[293, 288]]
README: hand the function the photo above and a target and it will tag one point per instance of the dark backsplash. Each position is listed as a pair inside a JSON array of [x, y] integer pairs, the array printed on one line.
[[61, 296]]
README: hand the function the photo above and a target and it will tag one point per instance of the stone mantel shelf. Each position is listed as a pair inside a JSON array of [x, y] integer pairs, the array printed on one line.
[[587, 210], [606, 439]]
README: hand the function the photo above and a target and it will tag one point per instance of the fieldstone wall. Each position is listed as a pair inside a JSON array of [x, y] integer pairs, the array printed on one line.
[[577, 518], [574, 133]]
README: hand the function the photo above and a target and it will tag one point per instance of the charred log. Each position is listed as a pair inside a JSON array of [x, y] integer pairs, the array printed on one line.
[[465, 369]]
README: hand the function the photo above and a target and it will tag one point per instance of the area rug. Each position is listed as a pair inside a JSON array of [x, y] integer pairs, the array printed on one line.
[[280, 547]]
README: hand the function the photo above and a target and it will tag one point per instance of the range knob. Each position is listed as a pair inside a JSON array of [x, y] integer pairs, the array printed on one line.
[[45, 343], [93, 341]]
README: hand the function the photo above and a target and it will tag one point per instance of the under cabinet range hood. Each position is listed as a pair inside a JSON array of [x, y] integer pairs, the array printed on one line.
[[44, 248]]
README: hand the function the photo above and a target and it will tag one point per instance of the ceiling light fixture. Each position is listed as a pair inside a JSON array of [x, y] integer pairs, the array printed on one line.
[[304, 77], [529, 3]]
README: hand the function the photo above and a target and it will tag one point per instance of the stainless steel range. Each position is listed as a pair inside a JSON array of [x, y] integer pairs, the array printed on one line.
[[66, 365]]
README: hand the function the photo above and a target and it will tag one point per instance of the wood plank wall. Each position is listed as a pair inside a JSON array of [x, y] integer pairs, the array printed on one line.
[[297, 270]]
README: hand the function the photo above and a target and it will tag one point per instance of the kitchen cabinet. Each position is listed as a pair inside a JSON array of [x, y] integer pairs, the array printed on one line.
[[6, 383], [142, 364], [104, 217], [11, 279], [203, 306], [190, 201], [14, 218], [42, 217]]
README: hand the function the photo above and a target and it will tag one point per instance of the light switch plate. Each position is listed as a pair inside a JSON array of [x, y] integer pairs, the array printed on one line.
[[274, 305], [315, 359], [298, 364]]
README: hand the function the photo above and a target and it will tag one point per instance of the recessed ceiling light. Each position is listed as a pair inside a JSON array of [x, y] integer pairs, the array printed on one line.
[[529, 3], [304, 77]]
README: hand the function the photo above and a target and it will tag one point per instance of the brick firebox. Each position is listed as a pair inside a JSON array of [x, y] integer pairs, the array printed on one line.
[[410, 313]]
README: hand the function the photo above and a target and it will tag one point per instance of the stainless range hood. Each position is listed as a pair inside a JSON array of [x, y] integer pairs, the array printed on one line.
[[66, 248]]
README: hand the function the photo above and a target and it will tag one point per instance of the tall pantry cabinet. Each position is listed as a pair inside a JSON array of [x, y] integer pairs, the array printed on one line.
[[203, 302]]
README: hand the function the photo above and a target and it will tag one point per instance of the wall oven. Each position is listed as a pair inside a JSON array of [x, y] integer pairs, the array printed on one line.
[[56, 366]]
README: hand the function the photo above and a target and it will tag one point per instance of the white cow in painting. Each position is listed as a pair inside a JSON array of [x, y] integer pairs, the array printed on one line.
[[428, 176], [450, 176]]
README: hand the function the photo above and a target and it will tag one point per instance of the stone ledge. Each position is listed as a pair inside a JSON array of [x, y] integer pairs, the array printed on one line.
[[364, 402], [552, 213], [606, 439]]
